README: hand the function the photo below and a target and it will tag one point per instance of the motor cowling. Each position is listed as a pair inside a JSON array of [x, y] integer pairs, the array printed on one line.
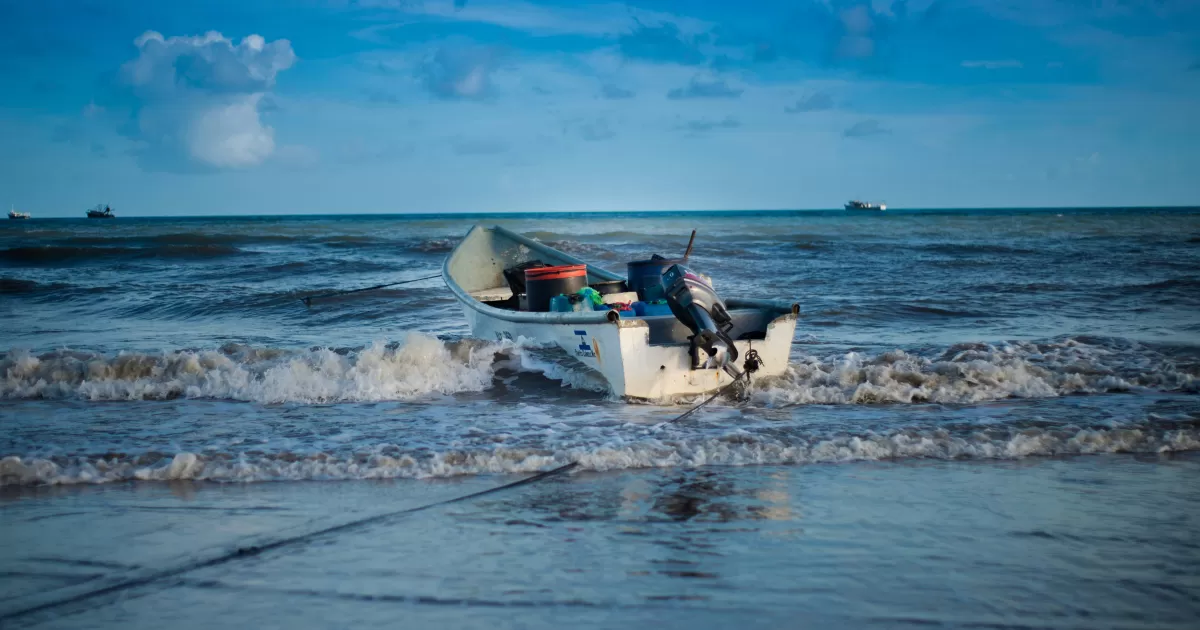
[[695, 304]]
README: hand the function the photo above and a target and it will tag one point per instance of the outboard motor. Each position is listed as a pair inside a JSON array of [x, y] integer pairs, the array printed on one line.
[[694, 303]]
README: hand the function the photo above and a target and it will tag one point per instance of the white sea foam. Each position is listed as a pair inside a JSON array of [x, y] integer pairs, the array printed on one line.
[[422, 366], [975, 373], [417, 367], [551, 363], [734, 449]]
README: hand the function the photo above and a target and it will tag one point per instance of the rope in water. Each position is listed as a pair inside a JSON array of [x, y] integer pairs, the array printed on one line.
[[253, 550], [308, 299]]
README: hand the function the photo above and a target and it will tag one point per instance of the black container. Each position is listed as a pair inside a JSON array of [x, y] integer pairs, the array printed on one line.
[[515, 276], [543, 283], [647, 275], [609, 287]]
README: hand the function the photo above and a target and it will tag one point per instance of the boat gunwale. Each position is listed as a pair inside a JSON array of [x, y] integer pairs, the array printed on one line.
[[529, 317], [782, 307]]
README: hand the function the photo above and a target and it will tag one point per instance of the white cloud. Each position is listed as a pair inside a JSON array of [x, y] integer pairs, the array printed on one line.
[[198, 97], [231, 136], [210, 62], [458, 71]]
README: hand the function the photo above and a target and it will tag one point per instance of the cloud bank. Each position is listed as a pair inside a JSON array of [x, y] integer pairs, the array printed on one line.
[[198, 99]]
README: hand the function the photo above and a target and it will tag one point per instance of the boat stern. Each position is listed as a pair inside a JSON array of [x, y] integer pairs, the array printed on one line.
[[660, 372]]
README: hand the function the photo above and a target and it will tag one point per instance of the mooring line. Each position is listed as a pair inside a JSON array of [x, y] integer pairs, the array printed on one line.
[[308, 300], [254, 550], [716, 394]]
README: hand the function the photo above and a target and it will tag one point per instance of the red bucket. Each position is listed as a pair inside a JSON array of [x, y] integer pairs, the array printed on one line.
[[555, 273], [543, 283]]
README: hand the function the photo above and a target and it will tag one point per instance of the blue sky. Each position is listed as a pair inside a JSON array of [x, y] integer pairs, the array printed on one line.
[[338, 106]]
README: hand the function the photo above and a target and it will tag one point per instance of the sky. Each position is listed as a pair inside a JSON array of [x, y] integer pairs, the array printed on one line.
[[363, 106]]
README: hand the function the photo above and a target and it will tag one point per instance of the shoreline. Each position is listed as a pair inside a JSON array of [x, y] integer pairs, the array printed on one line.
[[888, 540]]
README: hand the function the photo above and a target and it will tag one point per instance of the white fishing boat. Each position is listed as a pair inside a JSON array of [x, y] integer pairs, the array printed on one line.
[[702, 345]]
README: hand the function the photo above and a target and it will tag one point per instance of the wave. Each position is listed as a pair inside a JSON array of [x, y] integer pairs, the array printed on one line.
[[918, 310], [973, 373], [974, 249], [1021, 288], [1190, 283], [418, 367], [199, 239], [55, 254], [17, 285], [421, 366], [637, 237], [436, 245], [385, 461], [391, 246], [892, 311], [179, 238], [588, 251]]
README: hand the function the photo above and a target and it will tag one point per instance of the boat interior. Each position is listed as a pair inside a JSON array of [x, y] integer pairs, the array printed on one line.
[[479, 264]]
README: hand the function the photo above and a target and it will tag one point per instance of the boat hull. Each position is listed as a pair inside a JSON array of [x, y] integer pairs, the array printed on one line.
[[621, 352]]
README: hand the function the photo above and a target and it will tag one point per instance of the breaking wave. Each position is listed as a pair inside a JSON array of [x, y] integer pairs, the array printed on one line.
[[417, 367], [972, 373], [736, 449], [422, 366]]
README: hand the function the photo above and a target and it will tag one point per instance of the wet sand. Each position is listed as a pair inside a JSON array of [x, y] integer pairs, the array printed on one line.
[[1081, 542]]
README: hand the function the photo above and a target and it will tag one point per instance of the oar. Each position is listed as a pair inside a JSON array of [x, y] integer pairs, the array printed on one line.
[[308, 300], [689, 249]]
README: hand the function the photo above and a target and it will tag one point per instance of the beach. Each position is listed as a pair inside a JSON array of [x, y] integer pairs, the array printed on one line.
[[1037, 543]]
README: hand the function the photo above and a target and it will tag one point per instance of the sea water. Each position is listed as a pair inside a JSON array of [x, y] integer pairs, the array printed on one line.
[[1004, 350]]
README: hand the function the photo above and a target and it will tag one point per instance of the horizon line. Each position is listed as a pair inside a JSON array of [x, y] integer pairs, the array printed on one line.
[[608, 212]]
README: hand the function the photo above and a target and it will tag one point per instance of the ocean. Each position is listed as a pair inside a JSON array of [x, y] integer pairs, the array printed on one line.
[[989, 419]]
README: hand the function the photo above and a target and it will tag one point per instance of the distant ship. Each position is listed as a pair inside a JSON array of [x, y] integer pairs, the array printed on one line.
[[101, 211], [865, 205], [13, 214]]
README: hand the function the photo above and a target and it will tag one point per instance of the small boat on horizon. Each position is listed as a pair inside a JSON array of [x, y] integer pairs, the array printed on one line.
[[101, 211], [13, 214], [855, 204], [660, 333]]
